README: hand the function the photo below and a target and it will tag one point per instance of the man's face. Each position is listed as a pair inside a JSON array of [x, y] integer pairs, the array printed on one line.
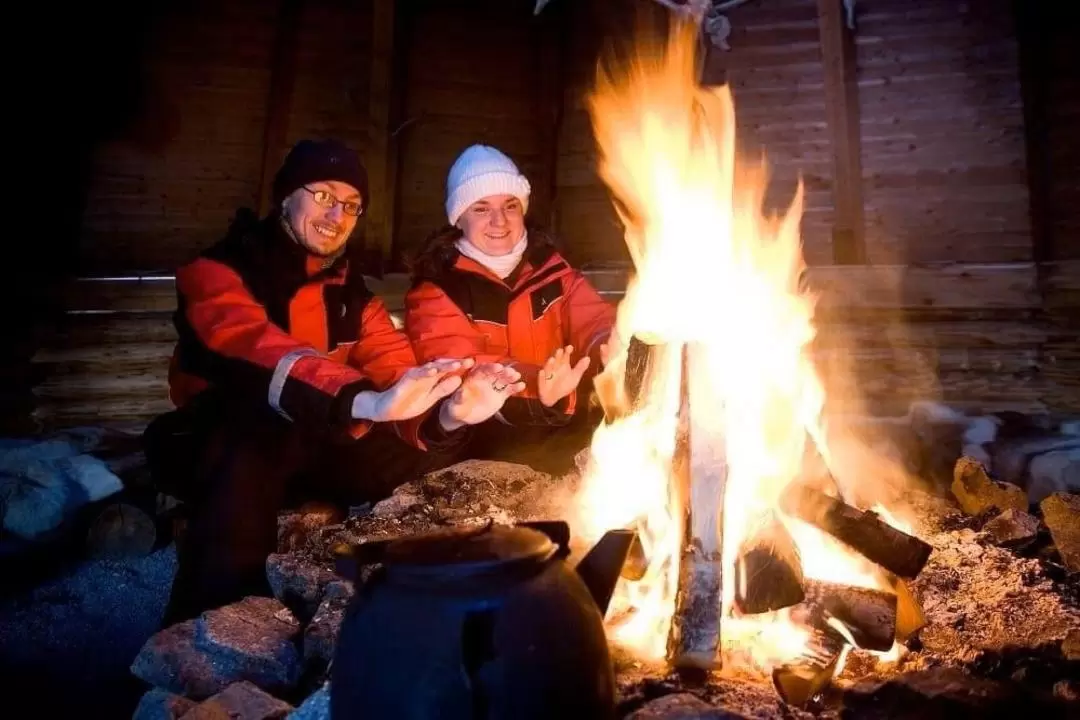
[[322, 215], [494, 224]]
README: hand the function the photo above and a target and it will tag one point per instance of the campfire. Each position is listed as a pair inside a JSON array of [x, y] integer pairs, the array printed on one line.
[[780, 556], [767, 545]]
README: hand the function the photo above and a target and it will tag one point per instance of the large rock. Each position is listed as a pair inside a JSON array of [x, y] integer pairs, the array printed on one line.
[[977, 493], [297, 582], [943, 693], [1012, 528], [158, 704], [240, 701], [1053, 472], [298, 529], [321, 634], [169, 660], [315, 707], [253, 640], [1070, 646], [256, 639], [1061, 513], [680, 706]]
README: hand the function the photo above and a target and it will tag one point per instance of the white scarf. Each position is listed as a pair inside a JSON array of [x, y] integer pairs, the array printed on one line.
[[501, 265]]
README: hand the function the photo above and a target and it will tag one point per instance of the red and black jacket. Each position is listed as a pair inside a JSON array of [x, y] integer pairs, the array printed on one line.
[[457, 308], [260, 317]]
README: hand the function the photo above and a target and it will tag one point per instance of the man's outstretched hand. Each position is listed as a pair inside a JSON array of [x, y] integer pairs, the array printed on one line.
[[482, 394], [414, 393]]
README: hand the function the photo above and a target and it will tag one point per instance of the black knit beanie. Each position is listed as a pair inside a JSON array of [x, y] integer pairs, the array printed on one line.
[[312, 161]]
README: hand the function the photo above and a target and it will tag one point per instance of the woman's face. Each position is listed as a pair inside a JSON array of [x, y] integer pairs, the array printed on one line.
[[495, 224]]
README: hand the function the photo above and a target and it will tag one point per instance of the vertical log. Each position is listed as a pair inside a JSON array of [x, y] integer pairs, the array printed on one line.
[[694, 642]]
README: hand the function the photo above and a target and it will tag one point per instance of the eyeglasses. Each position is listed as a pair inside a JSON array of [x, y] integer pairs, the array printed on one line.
[[323, 198]]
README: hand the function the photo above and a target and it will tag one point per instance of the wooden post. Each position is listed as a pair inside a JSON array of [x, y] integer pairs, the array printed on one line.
[[1031, 21], [279, 99], [551, 46], [842, 106], [381, 149]]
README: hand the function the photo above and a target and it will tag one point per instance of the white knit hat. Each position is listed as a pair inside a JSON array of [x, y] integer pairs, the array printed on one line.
[[481, 171]]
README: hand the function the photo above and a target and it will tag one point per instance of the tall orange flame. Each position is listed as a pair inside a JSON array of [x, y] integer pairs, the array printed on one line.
[[712, 271]]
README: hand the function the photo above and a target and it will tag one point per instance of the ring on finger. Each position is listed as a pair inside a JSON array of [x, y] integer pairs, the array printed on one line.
[[497, 387], [549, 376]]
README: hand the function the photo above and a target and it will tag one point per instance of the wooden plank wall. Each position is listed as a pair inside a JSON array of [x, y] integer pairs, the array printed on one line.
[[209, 64], [473, 72], [972, 335], [942, 144], [942, 132]]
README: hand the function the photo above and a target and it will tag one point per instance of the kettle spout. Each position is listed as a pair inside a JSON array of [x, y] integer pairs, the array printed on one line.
[[602, 565]]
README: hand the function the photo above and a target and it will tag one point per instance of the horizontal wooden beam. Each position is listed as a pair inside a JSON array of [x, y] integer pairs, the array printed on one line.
[[993, 286]]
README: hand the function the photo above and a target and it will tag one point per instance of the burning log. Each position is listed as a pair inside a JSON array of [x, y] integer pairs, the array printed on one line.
[[694, 639], [896, 551], [620, 394], [637, 563], [910, 618], [768, 570], [798, 683], [640, 357], [868, 615]]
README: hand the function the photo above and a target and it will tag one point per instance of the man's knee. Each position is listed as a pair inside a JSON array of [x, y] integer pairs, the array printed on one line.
[[371, 467], [188, 449]]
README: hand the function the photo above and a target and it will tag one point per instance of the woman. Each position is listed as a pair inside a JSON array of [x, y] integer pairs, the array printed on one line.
[[488, 287]]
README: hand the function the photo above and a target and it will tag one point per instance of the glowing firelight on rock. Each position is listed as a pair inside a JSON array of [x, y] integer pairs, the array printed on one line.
[[716, 274]]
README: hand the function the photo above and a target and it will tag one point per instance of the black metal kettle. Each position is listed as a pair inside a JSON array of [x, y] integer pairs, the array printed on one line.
[[488, 622]]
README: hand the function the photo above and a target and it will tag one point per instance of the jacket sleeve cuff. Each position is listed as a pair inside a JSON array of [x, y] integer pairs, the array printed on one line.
[[435, 437], [530, 411], [340, 412]]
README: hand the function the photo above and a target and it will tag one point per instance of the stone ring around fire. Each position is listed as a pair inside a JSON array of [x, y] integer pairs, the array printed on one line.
[[498, 388]]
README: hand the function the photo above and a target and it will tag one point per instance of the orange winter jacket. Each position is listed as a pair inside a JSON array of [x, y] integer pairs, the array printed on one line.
[[457, 308], [260, 317]]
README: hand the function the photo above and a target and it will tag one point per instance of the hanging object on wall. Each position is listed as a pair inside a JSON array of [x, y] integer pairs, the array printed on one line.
[[849, 13], [711, 16]]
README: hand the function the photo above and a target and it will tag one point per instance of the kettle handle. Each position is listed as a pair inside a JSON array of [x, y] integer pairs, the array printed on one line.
[[557, 530]]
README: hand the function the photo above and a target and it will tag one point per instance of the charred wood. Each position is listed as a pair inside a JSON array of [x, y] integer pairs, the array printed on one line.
[[622, 395], [863, 531], [799, 682], [639, 359], [121, 530], [868, 615], [768, 569], [695, 626]]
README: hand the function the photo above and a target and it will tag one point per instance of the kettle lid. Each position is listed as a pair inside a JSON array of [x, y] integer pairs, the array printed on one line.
[[466, 552]]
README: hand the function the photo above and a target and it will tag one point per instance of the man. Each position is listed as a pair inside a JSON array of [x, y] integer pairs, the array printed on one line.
[[291, 381]]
